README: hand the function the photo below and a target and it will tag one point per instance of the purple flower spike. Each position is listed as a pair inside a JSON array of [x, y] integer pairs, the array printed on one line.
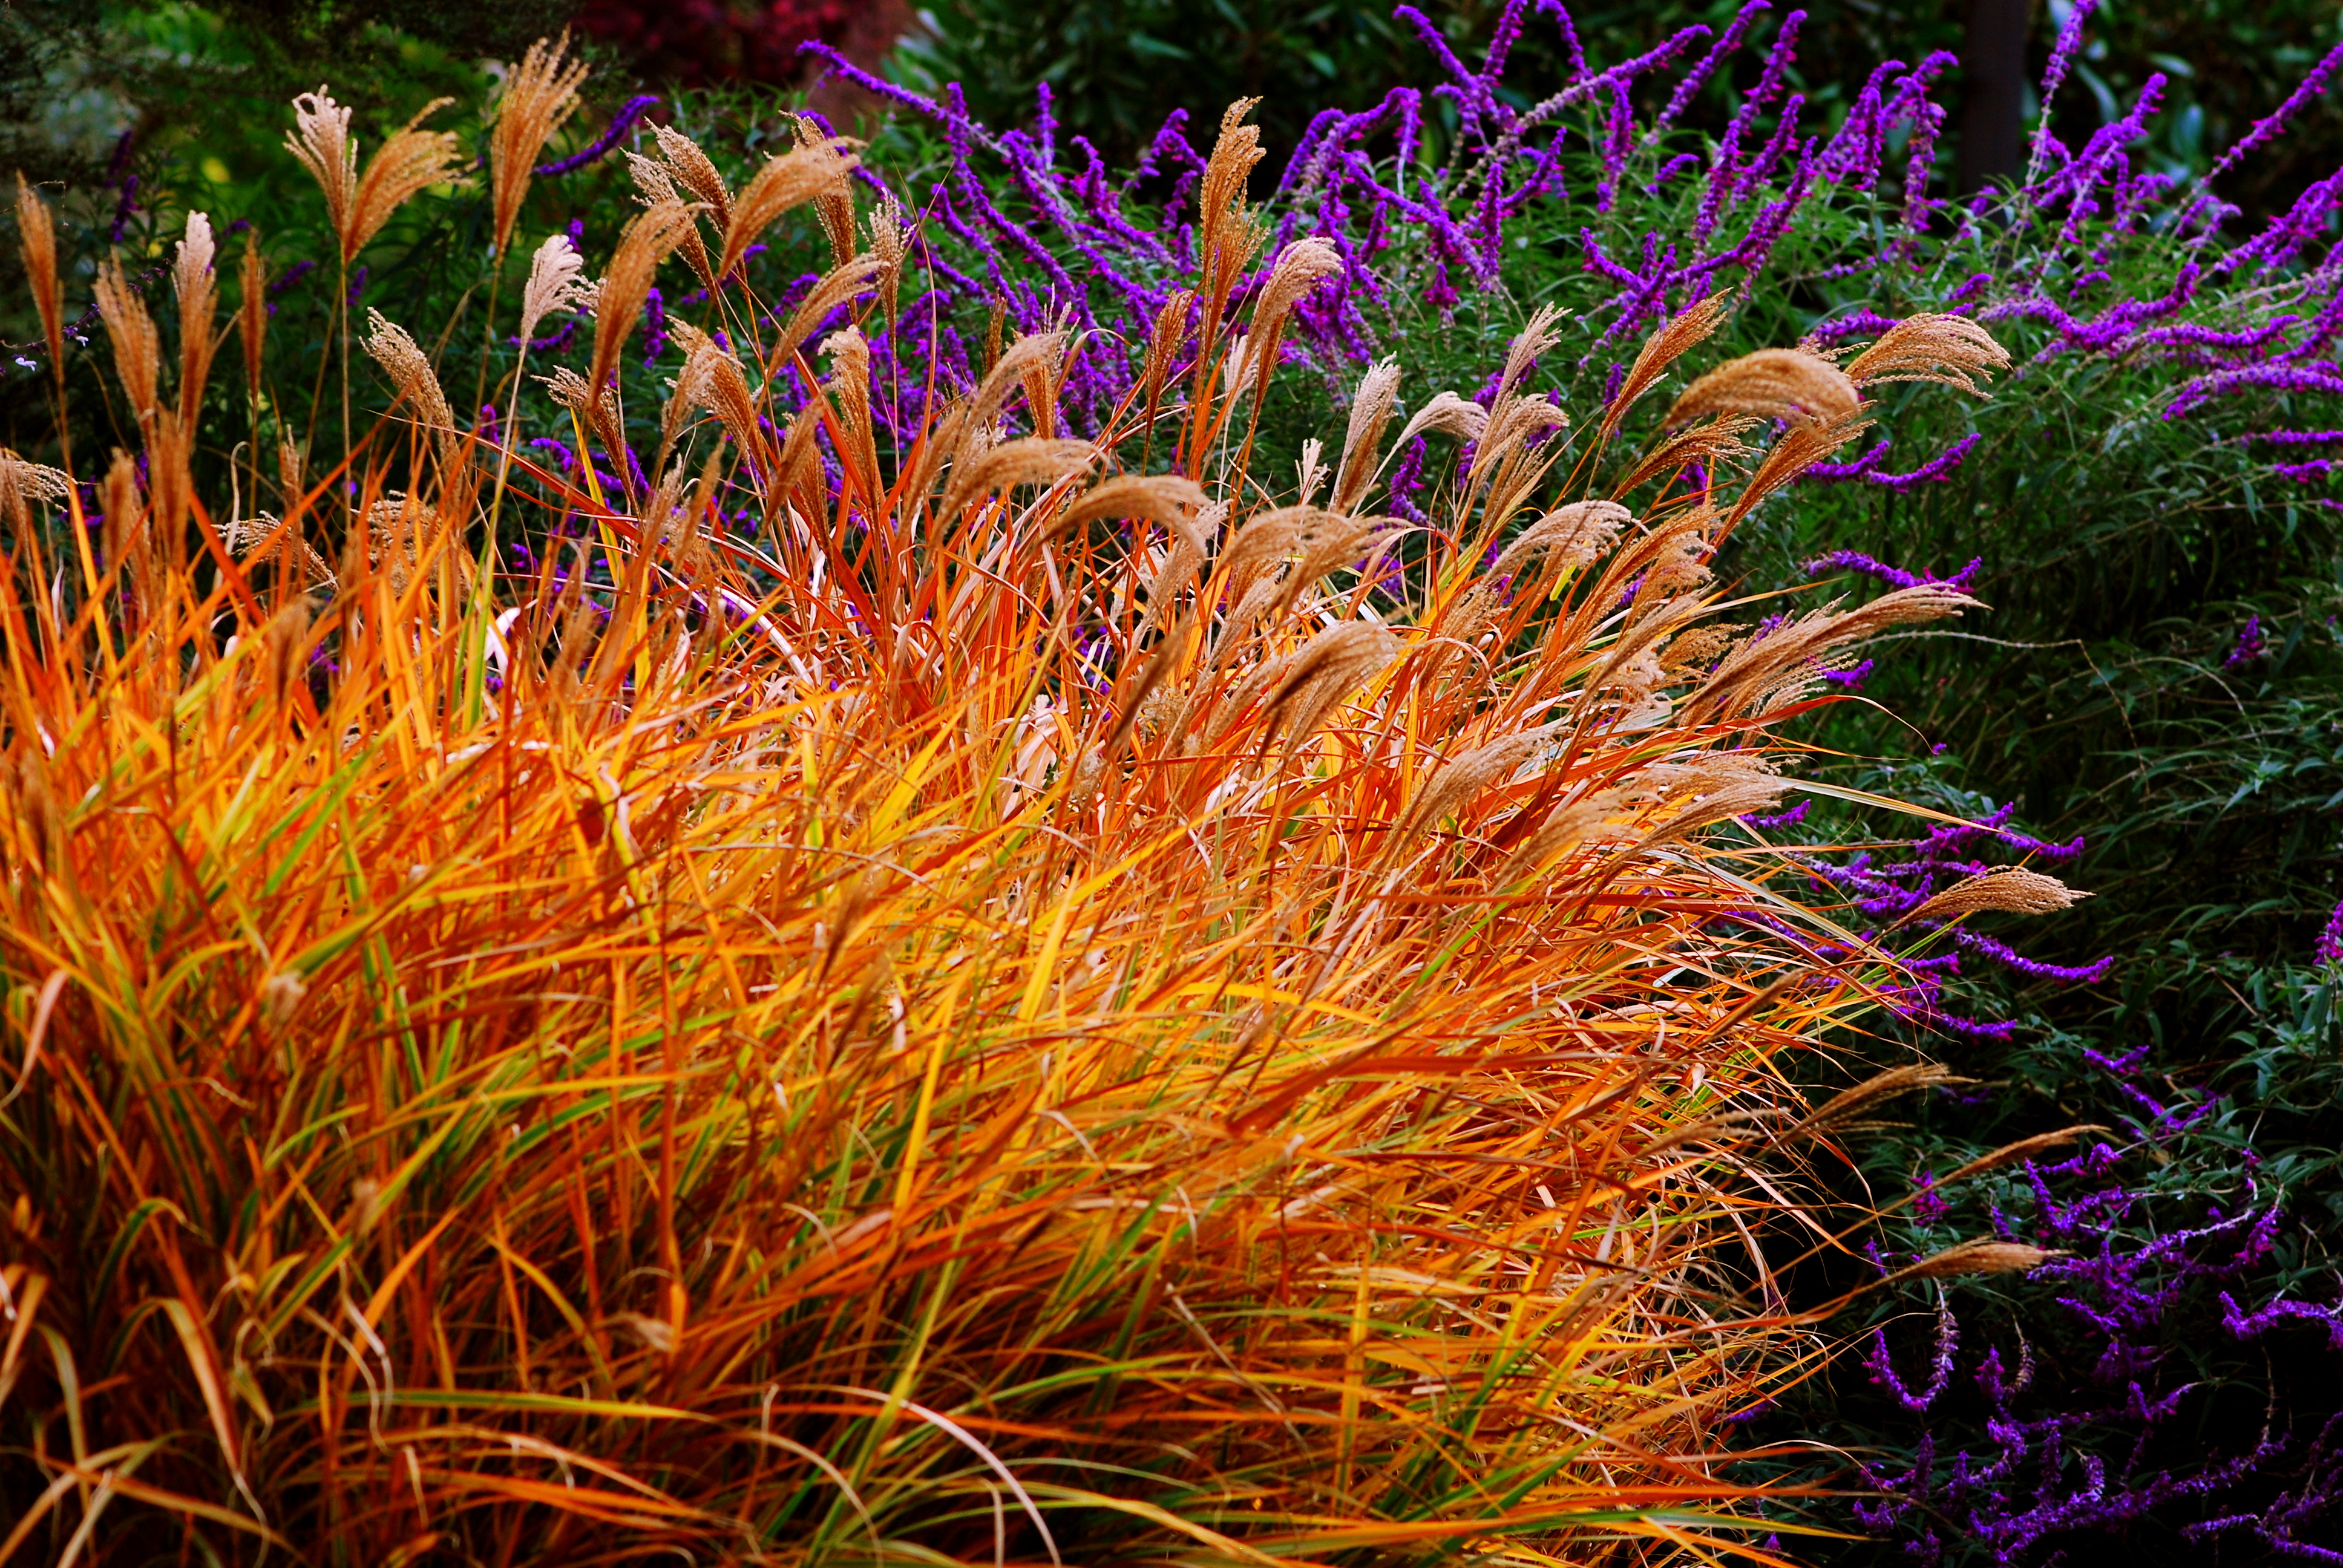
[[599, 149]]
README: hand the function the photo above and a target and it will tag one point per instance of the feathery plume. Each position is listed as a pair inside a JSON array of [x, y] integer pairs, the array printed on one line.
[[137, 349], [698, 173], [197, 288], [1982, 1256], [1301, 266], [1327, 668], [321, 141], [1689, 327], [655, 180], [36, 234], [357, 207], [541, 95], [789, 180], [1559, 545], [1227, 240], [2012, 889], [890, 244], [712, 378], [555, 272], [1164, 339], [22, 482], [252, 310], [418, 386], [619, 301], [1707, 445], [1448, 413], [409, 161], [1947, 349], [1371, 409], [1773, 384]]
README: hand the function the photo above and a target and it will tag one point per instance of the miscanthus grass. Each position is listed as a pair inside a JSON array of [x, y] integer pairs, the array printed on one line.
[[1029, 1011]]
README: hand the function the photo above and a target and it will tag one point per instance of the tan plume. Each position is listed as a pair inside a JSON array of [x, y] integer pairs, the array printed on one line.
[[795, 178], [1300, 267], [696, 170], [1983, 1255], [656, 182], [2012, 889], [197, 288], [540, 95], [1950, 350], [1688, 327], [1449, 415], [1164, 338], [1371, 410], [646, 242], [1327, 668], [252, 309], [321, 141], [891, 242], [418, 385], [556, 283], [1708, 443], [1773, 384], [1560, 545], [137, 349], [357, 206], [36, 234]]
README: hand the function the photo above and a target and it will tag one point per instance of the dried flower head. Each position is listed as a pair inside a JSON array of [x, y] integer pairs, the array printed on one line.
[[698, 173], [1705, 445], [418, 386], [321, 140], [1227, 240], [1164, 336], [1773, 384], [197, 286], [2011, 888], [137, 349], [357, 207], [1985, 1255], [891, 234], [1689, 327], [619, 301], [252, 310], [36, 234], [410, 161], [795, 178], [555, 283], [540, 95], [1949, 350], [655, 180], [1327, 668], [1301, 266], [1449, 415], [22, 482], [1371, 410], [1559, 545]]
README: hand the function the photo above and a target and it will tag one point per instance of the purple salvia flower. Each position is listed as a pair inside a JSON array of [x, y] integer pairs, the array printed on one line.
[[595, 151]]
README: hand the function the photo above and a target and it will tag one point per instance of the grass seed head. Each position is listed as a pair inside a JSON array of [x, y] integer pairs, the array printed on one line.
[[37, 235], [410, 160], [1788, 383], [1949, 350], [196, 286], [540, 94], [556, 274], [137, 348], [2012, 889]]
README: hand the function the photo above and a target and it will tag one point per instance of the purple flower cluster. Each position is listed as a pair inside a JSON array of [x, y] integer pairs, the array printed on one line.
[[2092, 1439]]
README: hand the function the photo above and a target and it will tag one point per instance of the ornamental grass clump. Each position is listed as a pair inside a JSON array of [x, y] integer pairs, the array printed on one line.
[[1031, 1010]]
